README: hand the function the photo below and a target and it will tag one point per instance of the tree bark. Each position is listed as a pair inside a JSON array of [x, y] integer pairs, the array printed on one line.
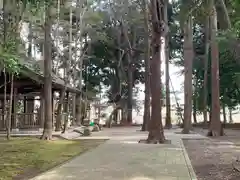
[[156, 134], [130, 93], [5, 100], [230, 116], [195, 110], [168, 122], [188, 65], [15, 108], [5, 28], [130, 69], [74, 109], [66, 111], [30, 36], [224, 115], [215, 128], [205, 81], [59, 111], [9, 123], [47, 132], [78, 110], [42, 110], [228, 21], [146, 115]]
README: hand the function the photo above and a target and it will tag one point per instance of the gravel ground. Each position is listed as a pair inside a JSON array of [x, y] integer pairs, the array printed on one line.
[[213, 159]]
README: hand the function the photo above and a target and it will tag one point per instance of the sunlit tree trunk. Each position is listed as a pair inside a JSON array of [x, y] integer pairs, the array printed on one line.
[[205, 83], [59, 111], [188, 65], [194, 109], [224, 115], [5, 23], [227, 18], [66, 111], [130, 92], [30, 39], [215, 128], [130, 70], [168, 123], [146, 116], [9, 122], [156, 134], [230, 115], [48, 124]]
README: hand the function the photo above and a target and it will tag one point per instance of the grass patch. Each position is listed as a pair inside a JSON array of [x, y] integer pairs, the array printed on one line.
[[26, 157]]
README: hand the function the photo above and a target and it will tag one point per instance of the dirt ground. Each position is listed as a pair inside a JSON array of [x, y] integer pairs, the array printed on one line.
[[213, 158]]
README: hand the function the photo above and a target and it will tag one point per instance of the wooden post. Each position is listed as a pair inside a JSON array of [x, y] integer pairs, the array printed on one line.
[[24, 110], [15, 105]]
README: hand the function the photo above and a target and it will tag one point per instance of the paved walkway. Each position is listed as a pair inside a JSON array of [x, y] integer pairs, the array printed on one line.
[[122, 158]]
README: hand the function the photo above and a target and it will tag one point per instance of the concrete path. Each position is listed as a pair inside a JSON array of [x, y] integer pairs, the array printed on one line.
[[122, 158]]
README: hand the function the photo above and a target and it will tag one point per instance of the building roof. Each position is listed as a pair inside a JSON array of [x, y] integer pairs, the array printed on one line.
[[35, 71]]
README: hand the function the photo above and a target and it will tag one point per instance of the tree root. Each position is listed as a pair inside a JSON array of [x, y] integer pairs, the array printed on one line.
[[236, 166], [168, 127], [47, 137], [186, 132], [154, 141], [213, 133]]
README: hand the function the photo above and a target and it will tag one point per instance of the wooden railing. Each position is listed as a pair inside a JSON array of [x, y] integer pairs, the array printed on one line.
[[23, 121], [28, 120]]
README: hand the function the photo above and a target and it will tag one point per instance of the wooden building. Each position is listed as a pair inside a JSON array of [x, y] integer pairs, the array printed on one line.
[[28, 90]]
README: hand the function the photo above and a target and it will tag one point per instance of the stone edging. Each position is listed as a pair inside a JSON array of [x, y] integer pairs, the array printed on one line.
[[188, 162]]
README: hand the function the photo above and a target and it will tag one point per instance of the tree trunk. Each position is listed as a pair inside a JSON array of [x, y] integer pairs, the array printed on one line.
[[227, 18], [215, 128], [188, 65], [9, 123], [224, 115], [130, 70], [47, 132], [5, 27], [78, 110], [59, 111], [156, 134], [74, 109], [230, 116], [210, 115], [5, 99], [124, 113], [168, 123], [30, 36], [42, 110], [195, 110], [130, 93], [79, 103], [15, 108], [205, 82], [146, 115], [66, 112]]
